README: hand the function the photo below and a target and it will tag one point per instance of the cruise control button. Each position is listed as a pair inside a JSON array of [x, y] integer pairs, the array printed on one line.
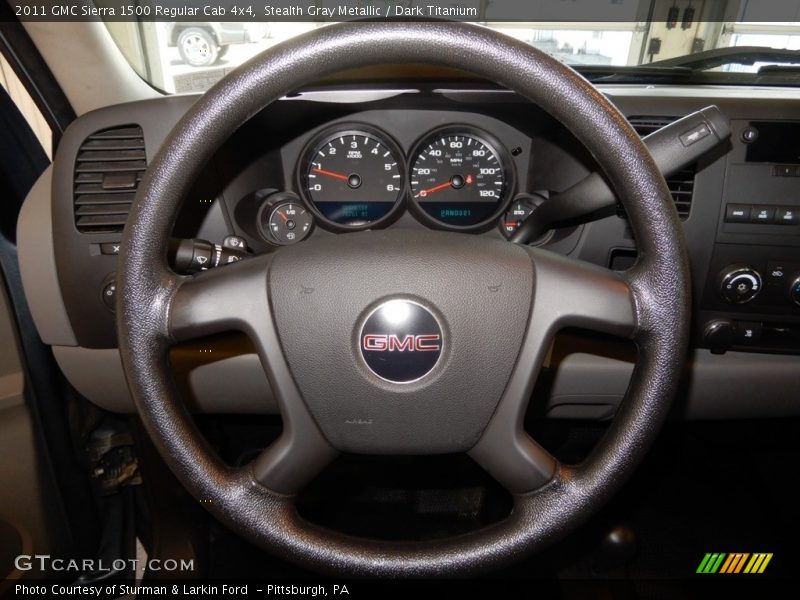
[[737, 213], [762, 214], [786, 215]]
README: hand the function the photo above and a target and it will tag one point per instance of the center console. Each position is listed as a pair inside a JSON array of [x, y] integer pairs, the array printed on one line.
[[751, 300]]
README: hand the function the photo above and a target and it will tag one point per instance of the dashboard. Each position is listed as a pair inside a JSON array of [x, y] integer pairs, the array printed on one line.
[[463, 156]]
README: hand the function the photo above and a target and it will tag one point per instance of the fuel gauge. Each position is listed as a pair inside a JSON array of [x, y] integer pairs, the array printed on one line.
[[286, 223]]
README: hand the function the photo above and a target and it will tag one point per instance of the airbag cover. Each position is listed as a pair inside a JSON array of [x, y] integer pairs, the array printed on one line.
[[478, 289]]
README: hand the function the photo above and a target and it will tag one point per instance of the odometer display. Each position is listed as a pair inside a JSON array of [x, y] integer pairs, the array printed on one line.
[[459, 178], [352, 178]]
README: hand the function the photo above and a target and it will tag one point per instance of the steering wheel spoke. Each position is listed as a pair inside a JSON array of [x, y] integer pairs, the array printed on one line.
[[514, 459], [573, 293], [229, 298], [294, 459], [568, 293], [235, 297]]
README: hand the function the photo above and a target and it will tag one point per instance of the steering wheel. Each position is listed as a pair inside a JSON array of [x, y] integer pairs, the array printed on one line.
[[403, 342]]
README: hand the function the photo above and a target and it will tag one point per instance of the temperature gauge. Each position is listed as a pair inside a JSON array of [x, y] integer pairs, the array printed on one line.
[[519, 210], [517, 213], [286, 223]]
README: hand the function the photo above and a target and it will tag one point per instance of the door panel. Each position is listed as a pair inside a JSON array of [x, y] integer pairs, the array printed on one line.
[[28, 523], [32, 517]]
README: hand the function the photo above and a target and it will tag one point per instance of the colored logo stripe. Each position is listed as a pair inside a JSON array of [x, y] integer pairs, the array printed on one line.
[[710, 563], [758, 563], [734, 563], [721, 562]]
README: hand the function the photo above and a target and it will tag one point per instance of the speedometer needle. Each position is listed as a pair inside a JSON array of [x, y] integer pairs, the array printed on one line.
[[330, 174], [456, 182], [435, 188]]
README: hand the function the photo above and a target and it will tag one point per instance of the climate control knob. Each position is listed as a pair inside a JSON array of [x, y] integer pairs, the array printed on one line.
[[739, 284], [794, 291]]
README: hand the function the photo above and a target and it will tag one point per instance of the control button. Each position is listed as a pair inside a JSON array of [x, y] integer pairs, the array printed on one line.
[[695, 134], [719, 336], [110, 295], [112, 248], [784, 171], [201, 257], [234, 242], [762, 214], [740, 284], [737, 213], [748, 332], [776, 274], [749, 135], [786, 215], [794, 291]]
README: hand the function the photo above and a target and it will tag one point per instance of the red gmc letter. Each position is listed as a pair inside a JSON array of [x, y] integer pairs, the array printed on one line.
[[396, 344], [428, 343], [374, 342]]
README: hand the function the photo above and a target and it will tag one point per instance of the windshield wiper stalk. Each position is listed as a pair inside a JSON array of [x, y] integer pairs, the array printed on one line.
[[672, 147]]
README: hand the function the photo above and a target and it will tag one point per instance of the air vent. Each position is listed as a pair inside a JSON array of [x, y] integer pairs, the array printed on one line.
[[108, 170], [647, 125], [680, 184]]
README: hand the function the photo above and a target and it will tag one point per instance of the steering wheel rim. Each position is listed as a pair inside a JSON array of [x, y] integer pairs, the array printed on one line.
[[649, 304]]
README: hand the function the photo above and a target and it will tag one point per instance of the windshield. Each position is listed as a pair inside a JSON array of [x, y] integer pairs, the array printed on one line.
[[180, 57]]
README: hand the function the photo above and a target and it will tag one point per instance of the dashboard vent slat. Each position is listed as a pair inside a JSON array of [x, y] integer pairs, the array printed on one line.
[[88, 178], [102, 222], [108, 169], [86, 200], [111, 167], [114, 144], [117, 133], [103, 209], [680, 184], [109, 155]]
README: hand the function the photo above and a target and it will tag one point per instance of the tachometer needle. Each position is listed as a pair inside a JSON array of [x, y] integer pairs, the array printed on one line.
[[330, 174]]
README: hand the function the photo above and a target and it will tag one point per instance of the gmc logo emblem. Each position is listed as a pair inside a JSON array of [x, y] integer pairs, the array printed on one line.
[[400, 341], [409, 343]]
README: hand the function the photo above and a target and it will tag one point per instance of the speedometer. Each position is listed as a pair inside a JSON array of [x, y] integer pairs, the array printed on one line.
[[460, 179], [352, 177]]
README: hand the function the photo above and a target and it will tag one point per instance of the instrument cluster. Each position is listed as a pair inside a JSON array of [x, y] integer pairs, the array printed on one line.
[[355, 176]]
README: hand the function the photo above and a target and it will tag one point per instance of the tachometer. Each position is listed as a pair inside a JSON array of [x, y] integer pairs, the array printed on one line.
[[459, 178], [352, 178]]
